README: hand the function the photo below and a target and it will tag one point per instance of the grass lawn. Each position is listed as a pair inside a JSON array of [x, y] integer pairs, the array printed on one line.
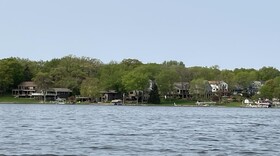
[[232, 104], [180, 102], [12, 99], [169, 102]]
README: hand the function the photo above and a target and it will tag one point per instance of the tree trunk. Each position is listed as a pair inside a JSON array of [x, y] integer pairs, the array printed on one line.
[[44, 94], [137, 97], [142, 97], [182, 89], [123, 100]]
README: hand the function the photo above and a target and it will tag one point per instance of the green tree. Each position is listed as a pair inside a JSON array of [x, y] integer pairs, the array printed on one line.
[[27, 74], [205, 73], [48, 66], [71, 71], [276, 91], [271, 89], [184, 76], [130, 64], [245, 78], [268, 89], [154, 97], [267, 73], [166, 79], [31, 68], [44, 82], [11, 74], [90, 87], [136, 81], [111, 77], [173, 63], [151, 69], [200, 88], [228, 77]]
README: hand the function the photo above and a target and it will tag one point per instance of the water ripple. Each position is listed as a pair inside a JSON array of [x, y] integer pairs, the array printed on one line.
[[105, 130]]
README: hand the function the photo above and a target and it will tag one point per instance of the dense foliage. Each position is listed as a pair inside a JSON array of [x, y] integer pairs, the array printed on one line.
[[154, 97], [88, 76]]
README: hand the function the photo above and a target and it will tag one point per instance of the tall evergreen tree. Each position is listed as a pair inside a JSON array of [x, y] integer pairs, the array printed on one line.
[[154, 95], [27, 75]]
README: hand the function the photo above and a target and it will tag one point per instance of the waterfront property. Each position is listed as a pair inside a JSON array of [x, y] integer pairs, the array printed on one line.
[[259, 104], [108, 96], [218, 86], [181, 90], [53, 93], [29, 89], [25, 89]]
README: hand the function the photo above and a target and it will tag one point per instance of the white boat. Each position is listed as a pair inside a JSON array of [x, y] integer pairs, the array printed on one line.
[[116, 102], [259, 104], [60, 101]]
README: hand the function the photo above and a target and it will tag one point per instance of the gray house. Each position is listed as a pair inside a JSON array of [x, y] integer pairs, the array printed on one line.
[[181, 90], [108, 96], [25, 89], [255, 87], [53, 93]]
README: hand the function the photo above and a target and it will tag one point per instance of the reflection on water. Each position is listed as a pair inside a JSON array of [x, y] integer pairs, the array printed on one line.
[[123, 130]]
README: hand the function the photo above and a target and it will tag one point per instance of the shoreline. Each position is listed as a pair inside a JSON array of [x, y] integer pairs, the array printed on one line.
[[135, 105], [111, 104]]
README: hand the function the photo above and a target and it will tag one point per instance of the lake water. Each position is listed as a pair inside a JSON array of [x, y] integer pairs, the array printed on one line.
[[134, 130]]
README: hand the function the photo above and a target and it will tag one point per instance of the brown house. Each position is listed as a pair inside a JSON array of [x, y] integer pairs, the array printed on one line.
[[62, 92], [25, 89], [108, 96], [180, 90], [53, 93], [28, 89]]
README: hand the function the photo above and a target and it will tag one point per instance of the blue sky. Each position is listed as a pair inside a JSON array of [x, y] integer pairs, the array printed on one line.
[[230, 34]]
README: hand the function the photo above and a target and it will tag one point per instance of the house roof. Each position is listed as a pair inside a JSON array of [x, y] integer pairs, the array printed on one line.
[[28, 84], [215, 82], [62, 90], [109, 92], [181, 85]]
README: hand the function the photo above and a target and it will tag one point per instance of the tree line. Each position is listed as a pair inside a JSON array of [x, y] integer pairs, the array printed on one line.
[[87, 76]]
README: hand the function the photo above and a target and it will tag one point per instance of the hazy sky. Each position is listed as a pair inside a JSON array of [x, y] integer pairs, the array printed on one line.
[[231, 34]]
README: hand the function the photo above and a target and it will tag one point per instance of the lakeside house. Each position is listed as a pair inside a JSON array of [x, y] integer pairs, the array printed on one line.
[[219, 87], [252, 89], [201, 90], [142, 95], [62, 92], [29, 89], [237, 89], [25, 89], [181, 90], [255, 87], [108, 96], [80, 99], [132, 96], [53, 93]]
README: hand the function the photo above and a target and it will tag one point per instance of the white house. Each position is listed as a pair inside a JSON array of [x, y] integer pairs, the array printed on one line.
[[218, 86], [255, 86]]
